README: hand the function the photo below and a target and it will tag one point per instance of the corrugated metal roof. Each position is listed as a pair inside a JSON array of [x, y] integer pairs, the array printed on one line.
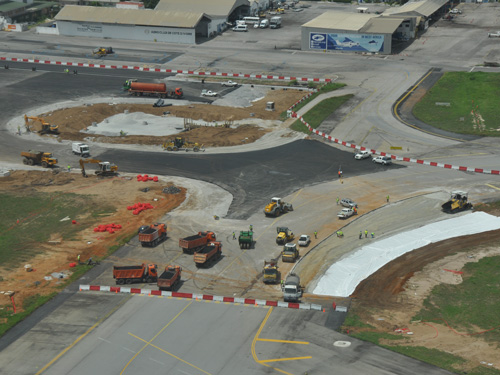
[[340, 21], [382, 25], [211, 7], [423, 8], [129, 16], [11, 5]]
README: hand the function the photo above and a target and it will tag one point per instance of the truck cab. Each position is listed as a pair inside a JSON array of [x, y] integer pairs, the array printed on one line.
[[292, 291]]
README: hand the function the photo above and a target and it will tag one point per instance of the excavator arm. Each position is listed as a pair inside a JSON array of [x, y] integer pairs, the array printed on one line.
[[87, 161]]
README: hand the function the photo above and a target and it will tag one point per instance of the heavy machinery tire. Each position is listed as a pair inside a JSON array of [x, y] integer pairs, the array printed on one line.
[[120, 281], [25, 161], [277, 212], [219, 254], [149, 280], [176, 148], [128, 281], [290, 208], [30, 162], [169, 148], [44, 164], [196, 149]]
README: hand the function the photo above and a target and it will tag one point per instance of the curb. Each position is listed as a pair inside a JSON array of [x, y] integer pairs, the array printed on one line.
[[158, 70], [393, 157], [204, 297]]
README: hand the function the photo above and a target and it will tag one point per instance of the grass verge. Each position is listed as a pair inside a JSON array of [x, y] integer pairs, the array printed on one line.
[[473, 103], [316, 115]]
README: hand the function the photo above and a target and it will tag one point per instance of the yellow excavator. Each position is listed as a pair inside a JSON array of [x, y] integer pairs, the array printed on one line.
[[105, 168], [102, 51], [46, 127]]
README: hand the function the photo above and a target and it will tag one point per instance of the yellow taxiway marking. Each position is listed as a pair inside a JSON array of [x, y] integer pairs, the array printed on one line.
[[491, 186], [283, 359], [154, 337], [170, 354], [82, 336], [285, 341]]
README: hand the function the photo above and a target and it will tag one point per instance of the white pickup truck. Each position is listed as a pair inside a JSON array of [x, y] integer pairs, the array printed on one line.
[[230, 84], [208, 93], [494, 34], [346, 212]]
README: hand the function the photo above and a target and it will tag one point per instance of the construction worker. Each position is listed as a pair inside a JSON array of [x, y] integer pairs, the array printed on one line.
[[234, 236], [78, 258], [337, 200], [373, 235], [251, 227], [355, 210], [360, 235], [315, 234], [18, 130], [69, 168], [366, 234], [387, 198], [66, 71]]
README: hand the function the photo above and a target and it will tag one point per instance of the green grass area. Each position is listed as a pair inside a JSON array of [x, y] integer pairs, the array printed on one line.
[[473, 99], [320, 112], [40, 216], [435, 357], [471, 306]]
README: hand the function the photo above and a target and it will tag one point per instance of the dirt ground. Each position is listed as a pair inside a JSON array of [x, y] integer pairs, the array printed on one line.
[[72, 120], [391, 297], [57, 254]]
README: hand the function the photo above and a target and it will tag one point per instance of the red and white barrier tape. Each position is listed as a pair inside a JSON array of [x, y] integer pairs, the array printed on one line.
[[204, 297]]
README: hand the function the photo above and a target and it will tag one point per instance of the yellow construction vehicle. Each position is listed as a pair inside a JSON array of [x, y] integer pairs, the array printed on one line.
[[102, 51], [271, 273], [105, 168], [44, 159], [46, 127], [458, 202], [280, 10], [284, 235], [277, 207], [180, 143]]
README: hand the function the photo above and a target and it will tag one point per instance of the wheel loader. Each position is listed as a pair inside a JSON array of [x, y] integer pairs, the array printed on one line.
[[458, 202], [102, 51], [277, 207]]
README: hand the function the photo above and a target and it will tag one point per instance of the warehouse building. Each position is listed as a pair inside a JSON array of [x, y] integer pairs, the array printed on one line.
[[172, 21], [355, 32], [425, 11]]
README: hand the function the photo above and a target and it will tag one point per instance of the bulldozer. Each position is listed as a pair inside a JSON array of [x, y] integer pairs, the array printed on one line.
[[46, 127], [284, 235], [102, 51], [180, 143], [459, 201], [105, 168], [277, 207]]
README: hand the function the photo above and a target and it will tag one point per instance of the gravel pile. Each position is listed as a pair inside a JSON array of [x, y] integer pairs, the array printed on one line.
[[171, 190]]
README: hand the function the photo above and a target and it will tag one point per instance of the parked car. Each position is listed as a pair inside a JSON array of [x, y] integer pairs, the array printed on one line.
[[304, 240], [385, 160], [495, 34], [240, 28], [230, 84], [362, 155], [455, 11], [208, 93], [346, 202]]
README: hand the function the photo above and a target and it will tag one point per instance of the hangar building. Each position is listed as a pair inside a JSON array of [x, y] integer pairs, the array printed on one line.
[[172, 21], [425, 11], [355, 32]]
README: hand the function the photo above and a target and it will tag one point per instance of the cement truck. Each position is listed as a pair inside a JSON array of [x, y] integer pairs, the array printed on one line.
[[292, 291]]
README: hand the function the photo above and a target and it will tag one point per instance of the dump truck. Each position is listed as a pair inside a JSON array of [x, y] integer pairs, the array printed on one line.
[[284, 235], [105, 168], [180, 143], [271, 273], [153, 235], [80, 149], [151, 89], [245, 239], [170, 278], [459, 201], [292, 291], [46, 128], [208, 254], [44, 159], [277, 207], [135, 274], [192, 243], [290, 253]]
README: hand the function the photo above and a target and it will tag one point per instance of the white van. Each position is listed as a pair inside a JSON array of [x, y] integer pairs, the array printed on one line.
[[240, 28], [264, 23]]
